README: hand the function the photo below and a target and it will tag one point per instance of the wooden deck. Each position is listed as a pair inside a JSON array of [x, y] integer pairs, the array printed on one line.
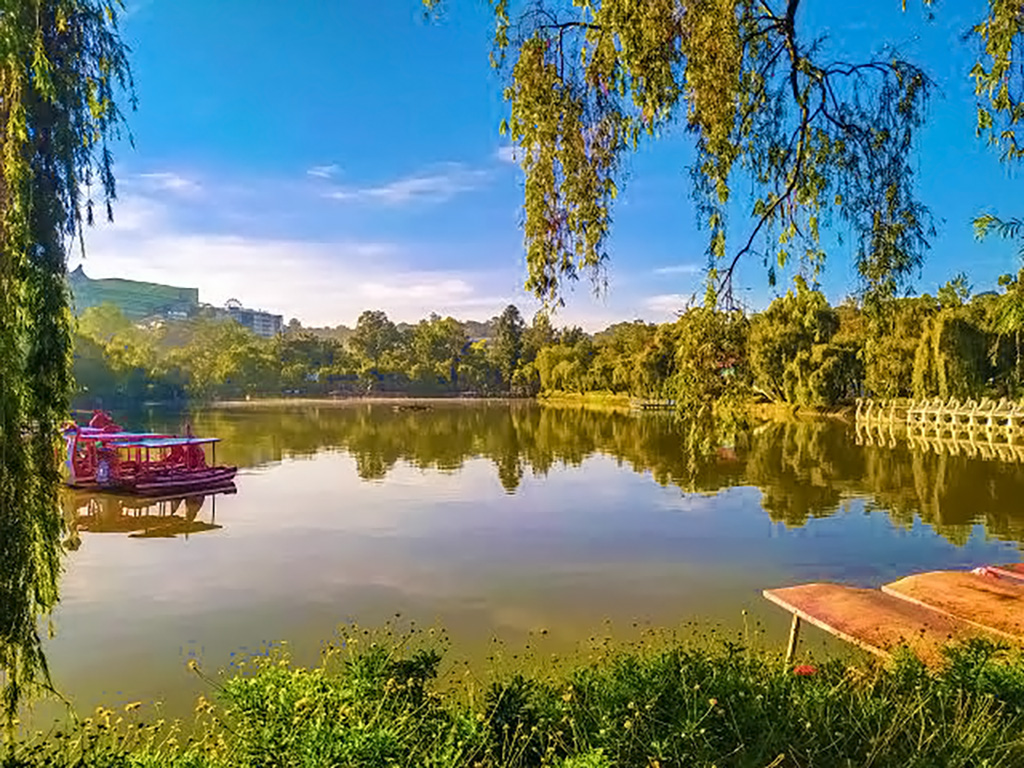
[[922, 612], [993, 604], [653, 405]]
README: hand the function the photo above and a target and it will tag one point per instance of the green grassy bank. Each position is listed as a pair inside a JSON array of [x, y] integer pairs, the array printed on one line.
[[602, 400], [381, 704]]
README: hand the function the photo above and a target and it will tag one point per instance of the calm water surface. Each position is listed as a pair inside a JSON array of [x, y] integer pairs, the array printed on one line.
[[497, 520]]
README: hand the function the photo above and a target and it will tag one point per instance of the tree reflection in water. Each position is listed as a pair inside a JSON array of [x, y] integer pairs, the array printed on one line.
[[804, 468]]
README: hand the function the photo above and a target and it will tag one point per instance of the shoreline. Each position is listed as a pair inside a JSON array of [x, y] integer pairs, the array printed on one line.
[[595, 401], [689, 703], [789, 412], [276, 402]]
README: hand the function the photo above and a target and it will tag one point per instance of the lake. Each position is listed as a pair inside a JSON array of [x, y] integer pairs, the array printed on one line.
[[531, 524]]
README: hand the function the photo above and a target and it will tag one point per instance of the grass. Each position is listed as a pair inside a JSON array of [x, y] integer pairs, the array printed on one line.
[[379, 702], [616, 401], [596, 400], [788, 411]]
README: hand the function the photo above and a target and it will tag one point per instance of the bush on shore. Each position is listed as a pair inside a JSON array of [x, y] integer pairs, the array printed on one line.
[[372, 704]]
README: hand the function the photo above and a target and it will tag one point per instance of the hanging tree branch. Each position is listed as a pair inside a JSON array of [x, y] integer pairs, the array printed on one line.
[[62, 63], [822, 142], [999, 86]]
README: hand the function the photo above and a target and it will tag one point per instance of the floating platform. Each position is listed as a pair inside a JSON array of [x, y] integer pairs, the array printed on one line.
[[922, 612]]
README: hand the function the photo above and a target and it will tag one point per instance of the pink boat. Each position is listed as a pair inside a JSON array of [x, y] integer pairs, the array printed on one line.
[[104, 457]]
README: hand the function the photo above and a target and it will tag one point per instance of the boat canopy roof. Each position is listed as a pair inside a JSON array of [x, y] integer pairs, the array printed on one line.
[[119, 437], [165, 442]]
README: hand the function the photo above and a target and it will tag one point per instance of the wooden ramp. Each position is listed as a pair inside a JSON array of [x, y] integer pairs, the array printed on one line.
[[993, 604], [922, 612], [1012, 571]]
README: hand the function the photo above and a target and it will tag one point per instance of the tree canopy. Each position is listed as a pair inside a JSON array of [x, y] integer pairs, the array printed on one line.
[[62, 67], [999, 78], [823, 141], [799, 350], [820, 138]]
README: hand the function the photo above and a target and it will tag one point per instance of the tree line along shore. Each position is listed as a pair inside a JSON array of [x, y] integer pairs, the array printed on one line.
[[800, 350]]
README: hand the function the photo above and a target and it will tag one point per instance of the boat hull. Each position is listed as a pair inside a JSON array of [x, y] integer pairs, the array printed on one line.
[[208, 480]]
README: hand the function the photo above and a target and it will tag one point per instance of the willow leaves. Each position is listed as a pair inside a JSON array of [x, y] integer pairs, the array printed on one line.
[[62, 63]]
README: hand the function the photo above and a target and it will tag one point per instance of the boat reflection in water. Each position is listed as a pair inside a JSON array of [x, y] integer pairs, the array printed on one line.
[[141, 517]]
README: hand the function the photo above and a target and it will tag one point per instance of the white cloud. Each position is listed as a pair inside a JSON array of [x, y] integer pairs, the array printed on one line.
[[154, 238], [435, 186], [170, 182], [323, 171], [509, 154], [679, 269], [667, 303], [418, 286], [321, 283], [133, 213]]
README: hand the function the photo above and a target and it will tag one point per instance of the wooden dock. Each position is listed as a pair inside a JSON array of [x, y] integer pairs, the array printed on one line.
[[653, 405], [922, 612]]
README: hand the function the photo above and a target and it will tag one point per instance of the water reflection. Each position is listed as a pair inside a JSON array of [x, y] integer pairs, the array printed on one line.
[[804, 469], [499, 520], [139, 517]]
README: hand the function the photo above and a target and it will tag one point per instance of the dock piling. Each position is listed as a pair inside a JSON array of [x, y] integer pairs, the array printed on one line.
[[794, 637]]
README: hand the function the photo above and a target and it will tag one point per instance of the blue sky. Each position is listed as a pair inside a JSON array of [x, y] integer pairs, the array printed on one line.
[[324, 157]]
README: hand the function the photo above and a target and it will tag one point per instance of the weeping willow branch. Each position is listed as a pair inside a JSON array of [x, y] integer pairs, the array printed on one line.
[[999, 77], [824, 143], [62, 63], [1008, 229], [999, 86]]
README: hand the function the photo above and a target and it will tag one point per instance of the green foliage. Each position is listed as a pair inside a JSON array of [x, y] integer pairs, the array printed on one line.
[[104, 323], [375, 335], [894, 332], [710, 362], [800, 350], [476, 371], [437, 345], [374, 703], [997, 81], [791, 358], [118, 362], [952, 357], [763, 103], [955, 293], [62, 63], [1008, 229], [538, 335], [628, 359], [999, 86], [1006, 319], [565, 365], [507, 345], [223, 357], [114, 357]]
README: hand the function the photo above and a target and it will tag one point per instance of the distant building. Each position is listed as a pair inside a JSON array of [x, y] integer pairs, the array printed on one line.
[[259, 322], [136, 300], [148, 301]]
